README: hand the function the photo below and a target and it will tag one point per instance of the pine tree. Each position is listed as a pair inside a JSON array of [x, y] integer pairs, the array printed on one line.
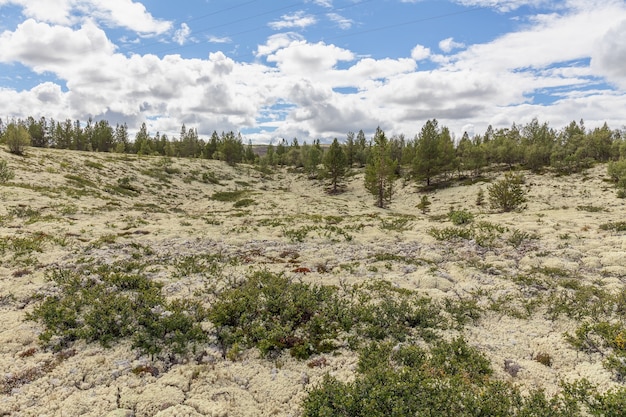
[[335, 165], [380, 171]]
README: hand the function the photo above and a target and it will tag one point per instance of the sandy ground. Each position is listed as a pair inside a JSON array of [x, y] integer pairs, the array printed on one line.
[[176, 217]]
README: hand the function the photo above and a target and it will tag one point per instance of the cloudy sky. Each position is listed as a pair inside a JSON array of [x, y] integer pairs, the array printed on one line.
[[314, 68]]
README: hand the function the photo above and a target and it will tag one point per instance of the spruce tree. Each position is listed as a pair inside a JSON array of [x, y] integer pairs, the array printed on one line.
[[335, 165], [380, 170]]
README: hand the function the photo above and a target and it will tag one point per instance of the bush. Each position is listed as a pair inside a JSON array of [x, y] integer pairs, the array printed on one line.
[[6, 173], [16, 138], [110, 302], [617, 172], [507, 194], [452, 378], [459, 217]]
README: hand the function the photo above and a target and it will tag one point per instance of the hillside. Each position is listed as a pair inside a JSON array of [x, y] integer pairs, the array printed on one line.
[[198, 227]]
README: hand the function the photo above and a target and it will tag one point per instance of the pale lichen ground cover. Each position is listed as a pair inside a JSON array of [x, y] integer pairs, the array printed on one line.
[[64, 209]]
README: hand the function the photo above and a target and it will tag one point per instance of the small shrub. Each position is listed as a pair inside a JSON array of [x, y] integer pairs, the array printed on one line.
[[397, 224], [480, 197], [228, 196], [6, 173], [590, 208], [460, 217], [16, 138], [244, 202], [424, 204], [507, 194], [450, 379], [544, 359], [614, 226]]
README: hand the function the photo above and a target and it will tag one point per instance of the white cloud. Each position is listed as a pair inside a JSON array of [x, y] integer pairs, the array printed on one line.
[[488, 83], [295, 20], [53, 48], [182, 34], [449, 44], [216, 39], [128, 14], [324, 3], [505, 5], [118, 13], [342, 22], [610, 54], [420, 52]]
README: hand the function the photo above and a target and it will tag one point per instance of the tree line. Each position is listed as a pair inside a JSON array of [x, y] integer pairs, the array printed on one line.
[[431, 156]]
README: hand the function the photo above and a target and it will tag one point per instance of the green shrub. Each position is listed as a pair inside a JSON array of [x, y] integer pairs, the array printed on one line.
[[110, 302], [272, 313], [397, 224], [460, 217], [226, 196], [614, 226], [452, 379], [507, 194], [424, 204], [16, 137], [6, 173], [244, 202]]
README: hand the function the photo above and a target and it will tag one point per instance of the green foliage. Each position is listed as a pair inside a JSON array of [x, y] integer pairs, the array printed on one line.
[[380, 170], [6, 173], [424, 204], [460, 217], [617, 172], [335, 165], [590, 208], [107, 303], [16, 137], [480, 197], [450, 379], [614, 226], [272, 313], [451, 233], [396, 223], [434, 152], [507, 194], [608, 339], [244, 202], [226, 196]]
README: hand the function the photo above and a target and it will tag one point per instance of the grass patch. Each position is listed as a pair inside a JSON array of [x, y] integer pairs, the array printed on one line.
[[229, 196], [614, 226]]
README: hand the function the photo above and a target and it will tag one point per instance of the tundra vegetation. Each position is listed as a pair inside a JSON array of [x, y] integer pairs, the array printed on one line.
[[396, 256]]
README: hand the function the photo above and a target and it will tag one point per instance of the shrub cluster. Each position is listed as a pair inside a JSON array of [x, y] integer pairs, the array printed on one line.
[[272, 313], [450, 379], [107, 303]]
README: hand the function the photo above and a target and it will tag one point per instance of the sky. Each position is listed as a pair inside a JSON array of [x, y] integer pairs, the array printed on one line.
[[314, 69]]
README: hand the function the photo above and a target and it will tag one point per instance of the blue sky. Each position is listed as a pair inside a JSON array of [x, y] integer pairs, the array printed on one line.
[[314, 68]]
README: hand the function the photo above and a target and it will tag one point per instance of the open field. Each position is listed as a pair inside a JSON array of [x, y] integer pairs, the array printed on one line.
[[198, 228]]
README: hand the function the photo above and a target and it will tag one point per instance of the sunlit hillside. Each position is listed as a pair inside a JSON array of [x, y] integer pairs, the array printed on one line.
[[154, 286]]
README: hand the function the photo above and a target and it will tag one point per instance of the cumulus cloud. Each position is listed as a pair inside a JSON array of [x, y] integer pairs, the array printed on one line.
[[610, 54], [449, 44], [303, 89], [53, 48], [420, 52], [296, 20], [118, 13], [182, 34]]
